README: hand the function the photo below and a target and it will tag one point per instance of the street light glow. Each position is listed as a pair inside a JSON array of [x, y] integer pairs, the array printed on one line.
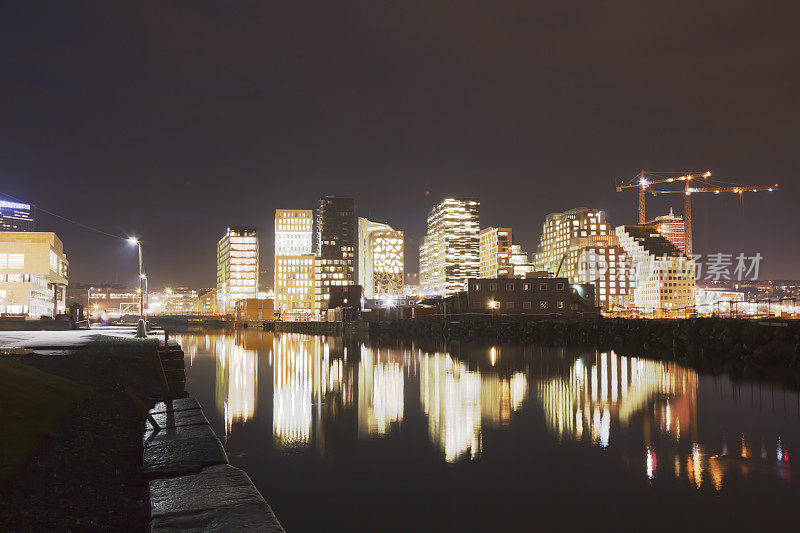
[[133, 240]]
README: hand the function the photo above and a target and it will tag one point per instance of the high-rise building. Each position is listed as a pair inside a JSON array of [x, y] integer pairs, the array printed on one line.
[[380, 259], [294, 286], [237, 266], [294, 263], [33, 274], [665, 278], [672, 228], [580, 245], [294, 229], [450, 251], [336, 247], [495, 252], [16, 216]]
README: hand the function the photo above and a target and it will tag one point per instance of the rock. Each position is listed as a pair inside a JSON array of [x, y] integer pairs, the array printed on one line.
[[166, 433], [218, 498]]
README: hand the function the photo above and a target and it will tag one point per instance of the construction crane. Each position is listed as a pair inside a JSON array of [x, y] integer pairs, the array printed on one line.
[[693, 183]]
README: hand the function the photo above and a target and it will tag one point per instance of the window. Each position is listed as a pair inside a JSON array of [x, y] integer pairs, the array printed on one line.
[[510, 305], [476, 287], [560, 286], [543, 304], [526, 286], [560, 304], [543, 286], [509, 286], [493, 286], [526, 305]]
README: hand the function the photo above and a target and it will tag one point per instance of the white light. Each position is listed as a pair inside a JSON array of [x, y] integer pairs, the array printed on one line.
[[133, 240]]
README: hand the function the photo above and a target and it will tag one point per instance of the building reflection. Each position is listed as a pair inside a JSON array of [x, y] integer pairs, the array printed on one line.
[[327, 391], [459, 402], [236, 383], [380, 390]]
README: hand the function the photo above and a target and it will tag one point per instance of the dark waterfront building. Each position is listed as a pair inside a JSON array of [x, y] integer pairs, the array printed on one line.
[[16, 216], [336, 247], [522, 296]]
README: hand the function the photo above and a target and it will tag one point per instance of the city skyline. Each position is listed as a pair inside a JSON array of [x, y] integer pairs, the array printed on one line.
[[528, 132]]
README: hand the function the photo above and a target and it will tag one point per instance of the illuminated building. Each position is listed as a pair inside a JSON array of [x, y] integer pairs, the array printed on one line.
[[237, 266], [520, 264], [495, 252], [113, 301], [293, 231], [336, 245], [664, 276], [177, 301], [672, 228], [294, 286], [721, 301], [15, 216], [380, 259], [207, 302], [580, 245], [450, 251], [33, 274]]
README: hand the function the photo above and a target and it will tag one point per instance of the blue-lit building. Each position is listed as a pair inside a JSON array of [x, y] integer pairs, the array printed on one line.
[[15, 216]]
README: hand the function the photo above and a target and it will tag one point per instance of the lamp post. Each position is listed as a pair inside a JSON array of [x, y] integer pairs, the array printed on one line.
[[134, 240], [146, 299]]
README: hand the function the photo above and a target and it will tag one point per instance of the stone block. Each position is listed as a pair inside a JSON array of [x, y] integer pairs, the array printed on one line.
[[174, 419], [183, 404], [177, 456], [152, 438], [218, 498]]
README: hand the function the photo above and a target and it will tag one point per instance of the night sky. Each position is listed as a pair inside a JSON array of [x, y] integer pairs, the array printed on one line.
[[173, 120]]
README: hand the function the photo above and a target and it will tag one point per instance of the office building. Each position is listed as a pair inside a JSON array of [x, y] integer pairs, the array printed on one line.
[[336, 247], [294, 286], [294, 263], [664, 277], [495, 252], [16, 216], [581, 246], [293, 231], [450, 251], [33, 274], [237, 266], [672, 228], [380, 259]]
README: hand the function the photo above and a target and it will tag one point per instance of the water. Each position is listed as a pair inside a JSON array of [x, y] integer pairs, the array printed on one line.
[[412, 436]]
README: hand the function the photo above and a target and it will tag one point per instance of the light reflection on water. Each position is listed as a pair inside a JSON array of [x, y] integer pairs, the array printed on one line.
[[324, 390]]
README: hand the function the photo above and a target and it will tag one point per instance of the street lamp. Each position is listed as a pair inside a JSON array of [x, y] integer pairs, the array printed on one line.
[[134, 240]]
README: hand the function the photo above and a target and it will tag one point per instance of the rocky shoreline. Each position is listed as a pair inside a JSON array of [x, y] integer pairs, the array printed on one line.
[[752, 348]]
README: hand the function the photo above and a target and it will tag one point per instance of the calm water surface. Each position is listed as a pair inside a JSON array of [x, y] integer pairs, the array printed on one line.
[[426, 437]]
